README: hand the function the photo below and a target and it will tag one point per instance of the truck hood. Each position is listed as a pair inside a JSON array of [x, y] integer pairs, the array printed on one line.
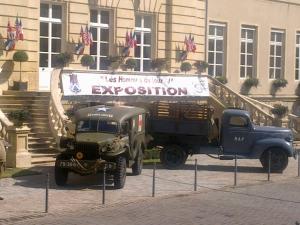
[[276, 132], [98, 138]]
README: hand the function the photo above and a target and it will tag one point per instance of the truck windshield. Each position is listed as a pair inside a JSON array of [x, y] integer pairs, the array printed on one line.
[[97, 126]]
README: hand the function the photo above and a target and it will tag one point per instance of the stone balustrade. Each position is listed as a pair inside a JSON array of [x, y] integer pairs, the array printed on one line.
[[56, 113], [4, 125]]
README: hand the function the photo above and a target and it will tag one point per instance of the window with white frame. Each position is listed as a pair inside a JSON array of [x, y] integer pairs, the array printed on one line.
[[248, 57], [99, 22], [216, 49], [297, 66], [142, 51], [276, 54], [50, 33]]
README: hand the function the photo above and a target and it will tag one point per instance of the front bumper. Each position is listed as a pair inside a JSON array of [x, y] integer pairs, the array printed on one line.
[[85, 166]]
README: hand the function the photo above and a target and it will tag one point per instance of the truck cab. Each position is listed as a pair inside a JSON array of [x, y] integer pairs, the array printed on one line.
[[105, 136]]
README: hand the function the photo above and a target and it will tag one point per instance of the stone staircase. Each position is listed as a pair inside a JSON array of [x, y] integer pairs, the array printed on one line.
[[41, 143]]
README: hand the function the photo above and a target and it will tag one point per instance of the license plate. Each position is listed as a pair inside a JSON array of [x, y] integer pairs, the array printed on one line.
[[68, 164], [86, 164]]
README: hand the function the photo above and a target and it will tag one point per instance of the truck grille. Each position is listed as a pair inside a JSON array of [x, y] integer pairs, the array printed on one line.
[[89, 150]]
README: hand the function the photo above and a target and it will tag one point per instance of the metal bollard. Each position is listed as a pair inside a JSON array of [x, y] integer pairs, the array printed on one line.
[[235, 170], [269, 165], [298, 162], [195, 181], [47, 193], [103, 186], [153, 180]]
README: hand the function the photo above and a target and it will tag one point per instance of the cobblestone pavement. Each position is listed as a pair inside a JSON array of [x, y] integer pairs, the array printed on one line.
[[175, 203]]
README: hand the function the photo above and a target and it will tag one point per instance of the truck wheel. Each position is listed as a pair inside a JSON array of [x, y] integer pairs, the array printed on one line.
[[138, 162], [279, 160], [120, 173], [61, 174], [173, 156]]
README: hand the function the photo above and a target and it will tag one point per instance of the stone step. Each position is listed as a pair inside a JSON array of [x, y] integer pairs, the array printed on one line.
[[40, 150], [24, 101], [41, 134], [27, 93], [43, 160], [34, 146]]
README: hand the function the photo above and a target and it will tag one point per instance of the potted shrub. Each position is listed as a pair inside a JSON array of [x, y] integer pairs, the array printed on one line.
[[62, 59], [114, 62], [277, 84], [248, 84], [279, 110], [87, 60], [221, 79], [185, 67], [18, 117], [130, 63], [159, 64], [20, 56], [201, 66]]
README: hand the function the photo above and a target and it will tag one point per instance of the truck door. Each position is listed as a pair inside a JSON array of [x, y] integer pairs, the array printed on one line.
[[237, 135]]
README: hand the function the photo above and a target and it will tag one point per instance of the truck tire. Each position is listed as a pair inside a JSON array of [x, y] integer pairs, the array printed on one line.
[[137, 167], [120, 173], [60, 174], [173, 156], [279, 160]]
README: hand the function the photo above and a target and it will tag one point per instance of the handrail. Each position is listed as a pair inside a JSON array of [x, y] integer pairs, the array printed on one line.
[[233, 99], [56, 113], [4, 125]]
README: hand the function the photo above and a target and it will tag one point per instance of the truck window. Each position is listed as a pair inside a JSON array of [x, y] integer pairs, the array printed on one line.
[[97, 126], [238, 121]]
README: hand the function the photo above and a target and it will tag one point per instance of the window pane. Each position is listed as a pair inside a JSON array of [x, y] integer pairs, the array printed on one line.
[[56, 30], [211, 46], [138, 67], [56, 11], [249, 60], [138, 21], [211, 30], [250, 47], [297, 74], [93, 49], [94, 16], [243, 33], [219, 71], [44, 29], [297, 52], [211, 57], [219, 58], [271, 76], [298, 39], [219, 45], [147, 38], [211, 70], [250, 34], [278, 50], [242, 71], [277, 73], [43, 60], [44, 11], [138, 38], [272, 62], [273, 36], [56, 45], [297, 64], [147, 52], [105, 17], [272, 50], [278, 62], [243, 47], [94, 33], [104, 36], [279, 37], [147, 21], [94, 66], [146, 65], [220, 31], [103, 64], [249, 71], [137, 51], [43, 44], [242, 59], [53, 60], [104, 49]]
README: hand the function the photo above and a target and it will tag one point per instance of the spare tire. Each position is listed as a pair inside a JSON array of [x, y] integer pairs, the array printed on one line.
[[173, 156]]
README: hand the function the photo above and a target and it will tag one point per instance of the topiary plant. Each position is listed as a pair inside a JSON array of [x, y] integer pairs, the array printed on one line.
[[279, 110], [185, 67], [251, 82], [131, 63], [18, 117], [201, 66], [20, 56], [221, 79], [62, 59], [114, 62], [87, 60], [279, 83]]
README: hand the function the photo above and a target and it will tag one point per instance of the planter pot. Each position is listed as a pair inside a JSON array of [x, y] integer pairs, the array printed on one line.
[[20, 86]]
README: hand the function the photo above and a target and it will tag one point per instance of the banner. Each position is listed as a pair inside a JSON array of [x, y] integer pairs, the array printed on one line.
[[80, 84]]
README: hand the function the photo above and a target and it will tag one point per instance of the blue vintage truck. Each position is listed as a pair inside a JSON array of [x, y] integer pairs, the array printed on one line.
[[186, 129]]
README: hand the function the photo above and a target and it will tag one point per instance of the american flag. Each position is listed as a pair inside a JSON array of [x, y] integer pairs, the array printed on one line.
[[11, 38], [87, 36], [190, 44], [19, 29]]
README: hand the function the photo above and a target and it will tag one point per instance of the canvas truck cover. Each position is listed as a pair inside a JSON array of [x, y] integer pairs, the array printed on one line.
[[136, 86]]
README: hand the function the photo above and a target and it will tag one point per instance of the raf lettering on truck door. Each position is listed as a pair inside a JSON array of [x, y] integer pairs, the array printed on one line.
[[238, 136]]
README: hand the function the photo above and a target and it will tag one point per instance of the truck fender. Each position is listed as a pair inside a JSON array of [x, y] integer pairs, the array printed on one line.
[[261, 145]]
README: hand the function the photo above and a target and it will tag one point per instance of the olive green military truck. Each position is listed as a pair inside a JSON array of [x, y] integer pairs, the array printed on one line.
[[110, 137]]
